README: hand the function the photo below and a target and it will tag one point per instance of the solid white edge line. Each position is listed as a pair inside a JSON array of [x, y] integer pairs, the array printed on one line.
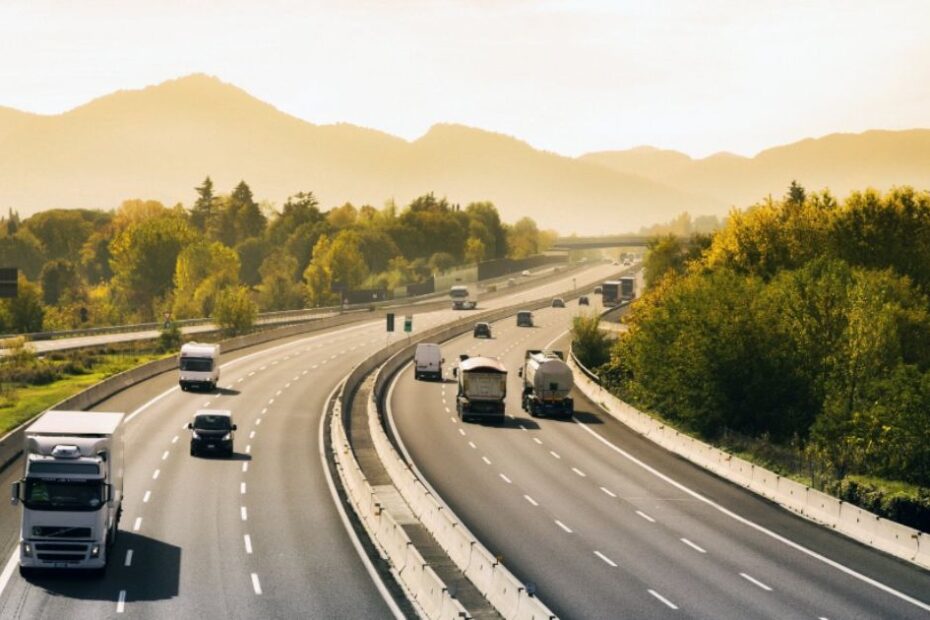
[[9, 568], [759, 528], [667, 602], [356, 543]]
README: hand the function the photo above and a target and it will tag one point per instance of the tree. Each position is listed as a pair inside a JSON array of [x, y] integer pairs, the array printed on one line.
[[278, 289], [485, 224], [144, 257], [523, 239], [62, 232], [441, 262], [252, 252], [589, 343], [137, 211], [345, 262], [202, 211], [237, 217], [317, 275], [474, 250], [95, 256], [301, 208], [796, 193], [302, 241], [22, 250], [202, 271], [23, 313], [342, 217], [235, 312], [58, 279]]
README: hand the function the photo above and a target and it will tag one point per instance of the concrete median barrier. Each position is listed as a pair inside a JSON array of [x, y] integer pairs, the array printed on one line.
[[863, 526]]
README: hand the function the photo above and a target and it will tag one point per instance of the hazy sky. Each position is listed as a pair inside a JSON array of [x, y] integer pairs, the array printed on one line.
[[568, 76]]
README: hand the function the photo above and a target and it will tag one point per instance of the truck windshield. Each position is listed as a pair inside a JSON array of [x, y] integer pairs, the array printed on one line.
[[211, 423], [458, 293], [197, 364], [75, 495]]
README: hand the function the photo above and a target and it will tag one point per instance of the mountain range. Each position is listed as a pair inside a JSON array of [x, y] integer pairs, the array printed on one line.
[[161, 141]]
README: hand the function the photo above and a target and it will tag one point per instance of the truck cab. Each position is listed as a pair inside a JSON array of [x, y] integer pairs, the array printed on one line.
[[71, 490], [199, 366]]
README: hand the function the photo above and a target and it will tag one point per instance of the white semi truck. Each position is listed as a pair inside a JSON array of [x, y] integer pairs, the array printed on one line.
[[461, 298], [482, 387], [72, 490], [547, 384], [199, 366]]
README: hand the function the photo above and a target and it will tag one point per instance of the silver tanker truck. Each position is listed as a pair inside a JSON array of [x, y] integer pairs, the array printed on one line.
[[547, 384]]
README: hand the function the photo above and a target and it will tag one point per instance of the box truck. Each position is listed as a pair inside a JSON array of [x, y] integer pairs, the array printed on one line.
[[71, 491], [199, 366]]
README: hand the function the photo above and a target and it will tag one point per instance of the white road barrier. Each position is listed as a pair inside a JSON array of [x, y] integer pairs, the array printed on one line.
[[863, 526]]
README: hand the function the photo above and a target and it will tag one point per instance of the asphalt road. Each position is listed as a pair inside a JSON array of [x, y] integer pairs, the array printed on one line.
[[254, 536], [605, 524]]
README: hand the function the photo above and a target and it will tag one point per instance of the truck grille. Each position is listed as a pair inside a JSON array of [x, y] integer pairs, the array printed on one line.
[[61, 547], [61, 557]]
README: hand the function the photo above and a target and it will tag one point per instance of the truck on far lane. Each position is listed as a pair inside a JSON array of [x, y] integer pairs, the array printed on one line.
[[547, 384]]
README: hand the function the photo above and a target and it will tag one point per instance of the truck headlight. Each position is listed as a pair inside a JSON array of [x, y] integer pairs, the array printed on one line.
[[95, 551], [27, 550], [227, 436], [194, 435]]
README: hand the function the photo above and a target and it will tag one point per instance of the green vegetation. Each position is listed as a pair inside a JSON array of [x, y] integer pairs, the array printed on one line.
[[803, 324], [85, 268], [30, 385]]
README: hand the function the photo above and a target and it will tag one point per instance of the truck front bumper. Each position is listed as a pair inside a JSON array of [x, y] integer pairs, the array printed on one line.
[[62, 554]]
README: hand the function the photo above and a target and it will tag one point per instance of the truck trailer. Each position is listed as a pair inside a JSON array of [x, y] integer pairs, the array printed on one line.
[[71, 491], [547, 384], [482, 387], [627, 288], [199, 366]]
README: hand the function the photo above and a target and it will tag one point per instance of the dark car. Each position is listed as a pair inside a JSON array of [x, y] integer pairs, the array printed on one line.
[[558, 302], [583, 301], [524, 318], [212, 432], [482, 330]]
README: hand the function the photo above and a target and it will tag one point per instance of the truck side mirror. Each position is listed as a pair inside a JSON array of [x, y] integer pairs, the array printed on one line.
[[233, 427], [108, 493], [520, 371], [15, 491], [190, 425], [442, 361], [455, 372]]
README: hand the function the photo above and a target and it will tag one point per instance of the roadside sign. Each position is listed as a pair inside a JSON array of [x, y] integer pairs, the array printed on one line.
[[390, 321], [9, 282], [408, 323]]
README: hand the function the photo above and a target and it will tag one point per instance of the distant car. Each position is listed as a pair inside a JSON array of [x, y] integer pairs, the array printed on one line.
[[627, 263], [616, 262], [583, 301], [525, 273], [524, 318], [212, 431], [598, 290], [482, 330], [511, 282], [558, 302]]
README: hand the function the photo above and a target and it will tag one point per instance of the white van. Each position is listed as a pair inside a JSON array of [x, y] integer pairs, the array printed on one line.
[[199, 365], [427, 361]]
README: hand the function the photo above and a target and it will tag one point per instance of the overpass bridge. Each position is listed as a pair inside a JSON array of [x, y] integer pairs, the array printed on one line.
[[608, 241]]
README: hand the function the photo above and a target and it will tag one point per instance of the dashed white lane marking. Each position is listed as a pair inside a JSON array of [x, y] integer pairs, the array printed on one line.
[[755, 582], [146, 497], [263, 367], [240, 380], [248, 449], [245, 467], [251, 373], [264, 411], [448, 410], [472, 445], [608, 492], [693, 546], [579, 472], [137, 524], [523, 428], [323, 362], [278, 393], [531, 500], [184, 426], [606, 559], [667, 602], [206, 404], [555, 454], [121, 602], [270, 401], [155, 475], [645, 516], [164, 456], [505, 479], [258, 422], [296, 378], [255, 584], [462, 432], [241, 488], [252, 435], [486, 460], [175, 440], [537, 440], [333, 356], [128, 561], [567, 529], [314, 367], [452, 417], [243, 513], [248, 543]]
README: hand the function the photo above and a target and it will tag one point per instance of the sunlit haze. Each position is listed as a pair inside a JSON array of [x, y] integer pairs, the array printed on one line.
[[570, 77]]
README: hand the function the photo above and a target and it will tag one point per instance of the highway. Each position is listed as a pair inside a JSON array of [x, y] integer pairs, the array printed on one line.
[[604, 524], [258, 535]]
